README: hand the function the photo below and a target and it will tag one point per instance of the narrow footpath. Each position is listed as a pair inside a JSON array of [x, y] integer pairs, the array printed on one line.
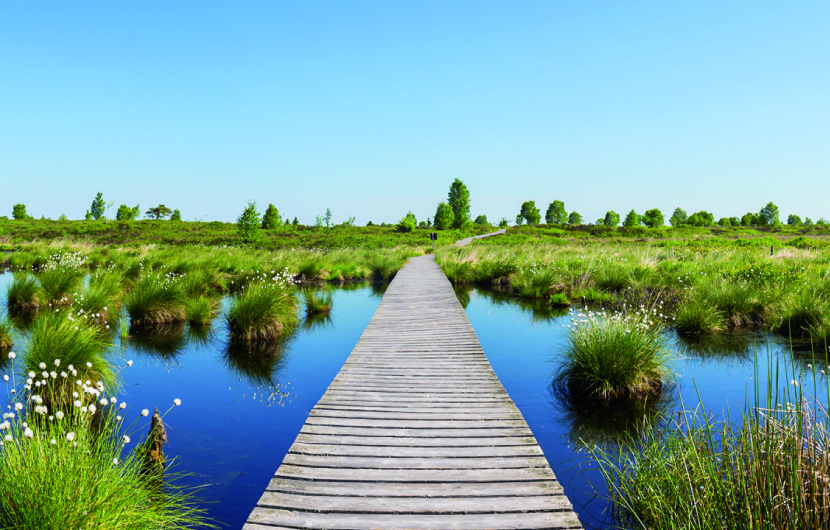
[[415, 432]]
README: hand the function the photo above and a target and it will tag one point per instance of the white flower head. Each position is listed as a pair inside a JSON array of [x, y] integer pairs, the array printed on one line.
[[177, 402]]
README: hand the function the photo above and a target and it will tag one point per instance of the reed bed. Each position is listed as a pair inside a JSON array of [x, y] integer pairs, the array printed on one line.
[[770, 469]]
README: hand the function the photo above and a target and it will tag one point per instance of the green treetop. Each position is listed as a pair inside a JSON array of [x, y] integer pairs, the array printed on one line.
[[459, 200]]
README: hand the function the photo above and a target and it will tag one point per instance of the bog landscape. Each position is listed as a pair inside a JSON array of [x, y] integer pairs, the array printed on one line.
[[414, 265], [674, 372]]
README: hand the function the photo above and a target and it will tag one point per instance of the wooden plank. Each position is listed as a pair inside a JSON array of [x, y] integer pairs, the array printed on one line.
[[415, 431]]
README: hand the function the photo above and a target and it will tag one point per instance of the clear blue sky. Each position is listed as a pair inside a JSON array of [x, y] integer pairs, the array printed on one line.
[[373, 108]]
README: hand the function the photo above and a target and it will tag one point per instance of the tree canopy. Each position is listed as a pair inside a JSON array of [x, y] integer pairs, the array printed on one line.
[[529, 213], [248, 224], [271, 217], [158, 212], [96, 210], [19, 211], [556, 214], [444, 217], [653, 218], [612, 219], [459, 200]]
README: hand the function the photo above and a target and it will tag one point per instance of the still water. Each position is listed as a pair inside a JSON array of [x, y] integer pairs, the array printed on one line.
[[239, 415]]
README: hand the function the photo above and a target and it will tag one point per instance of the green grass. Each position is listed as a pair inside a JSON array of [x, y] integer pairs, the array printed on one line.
[[156, 300], [458, 272], [317, 302], [5, 335], [613, 357], [23, 293], [201, 311], [698, 315], [101, 300], [65, 342], [70, 467], [263, 311], [770, 469], [806, 315]]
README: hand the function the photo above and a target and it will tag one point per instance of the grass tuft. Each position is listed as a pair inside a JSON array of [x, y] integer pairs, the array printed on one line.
[[613, 357], [156, 300], [317, 302], [201, 311], [263, 311], [23, 293]]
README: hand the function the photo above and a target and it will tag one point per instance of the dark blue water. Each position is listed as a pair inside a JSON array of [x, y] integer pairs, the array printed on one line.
[[239, 414]]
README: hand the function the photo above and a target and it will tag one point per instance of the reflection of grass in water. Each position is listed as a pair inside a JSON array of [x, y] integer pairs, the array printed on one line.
[[22, 319], [258, 363], [164, 340], [379, 288], [538, 310], [316, 321], [595, 422], [5, 336], [720, 346]]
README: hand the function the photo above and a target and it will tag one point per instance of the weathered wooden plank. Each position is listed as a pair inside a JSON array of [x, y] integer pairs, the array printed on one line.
[[415, 431], [262, 517], [393, 490]]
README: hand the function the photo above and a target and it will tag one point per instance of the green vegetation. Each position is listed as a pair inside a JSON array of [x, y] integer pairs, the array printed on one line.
[[459, 200], [263, 311], [768, 470], [5, 336], [23, 293], [65, 462], [317, 302], [156, 299], [19, 211], [611, 357], [201, 311]]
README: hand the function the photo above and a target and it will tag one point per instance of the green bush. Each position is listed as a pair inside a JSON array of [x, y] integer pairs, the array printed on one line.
[[263, 311], [156, 300]]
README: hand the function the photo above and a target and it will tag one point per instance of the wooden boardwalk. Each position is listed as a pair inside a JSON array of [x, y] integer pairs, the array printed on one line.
[[415, 431]]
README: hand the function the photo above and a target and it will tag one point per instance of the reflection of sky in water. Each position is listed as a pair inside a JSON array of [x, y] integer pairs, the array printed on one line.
[[523, 345], [242, 410]]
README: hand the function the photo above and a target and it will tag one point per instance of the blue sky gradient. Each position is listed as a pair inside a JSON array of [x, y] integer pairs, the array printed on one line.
[[373, 108]]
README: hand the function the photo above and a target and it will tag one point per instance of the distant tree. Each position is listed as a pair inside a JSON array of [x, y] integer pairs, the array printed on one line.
[[749, 219], [271, 218], [793, 219], [370, 223], [653, 218], [556, 214], [459, 200], [503, 222], [821, 221], [295, 222], [96, 210], [701, 218], [574, 218], [808, 221], [348, 222], [444, 217], [88, 216], [248, 224], [125, 213], [631, 220], [407, 223], [768, 216], [612, 218], [19, 211], [530, 213], [328, 217], [678, 217], [158, 212], [724, 221], [519, 219], [318, 221], [63, 217], [176, 215], [429, 222], [481, 220], [423, 224]]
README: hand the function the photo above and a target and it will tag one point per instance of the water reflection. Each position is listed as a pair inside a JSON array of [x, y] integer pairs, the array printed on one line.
[[258, 363], [539, 310], [736, 345], [165, 341], [316, 321], [592, 422]]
